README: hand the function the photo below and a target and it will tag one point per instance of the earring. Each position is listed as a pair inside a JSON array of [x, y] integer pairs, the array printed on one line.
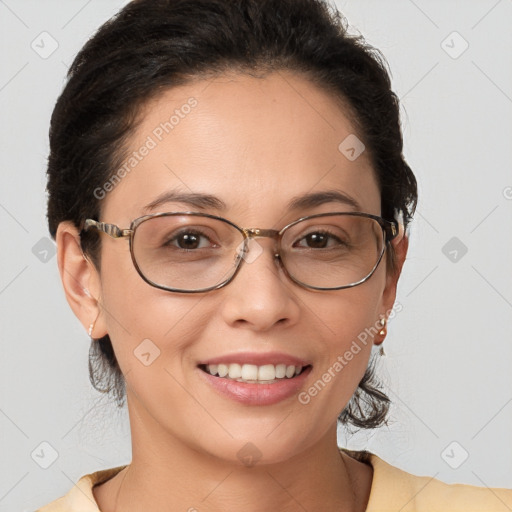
[[91, 327], [382, 331]]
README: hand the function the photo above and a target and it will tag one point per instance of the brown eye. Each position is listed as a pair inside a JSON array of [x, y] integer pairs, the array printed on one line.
[[189, 240], [321, 240]]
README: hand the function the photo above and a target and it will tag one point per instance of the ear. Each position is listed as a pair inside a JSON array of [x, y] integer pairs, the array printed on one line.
[[80, 279], [400, 245]]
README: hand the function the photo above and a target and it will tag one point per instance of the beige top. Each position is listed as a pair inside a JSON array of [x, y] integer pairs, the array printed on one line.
[[392, 490]]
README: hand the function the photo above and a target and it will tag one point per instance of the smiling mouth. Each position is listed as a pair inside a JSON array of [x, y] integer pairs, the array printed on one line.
[[254, 374]]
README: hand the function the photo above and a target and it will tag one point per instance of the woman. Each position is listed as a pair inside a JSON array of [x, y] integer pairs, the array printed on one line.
[[229, 199]]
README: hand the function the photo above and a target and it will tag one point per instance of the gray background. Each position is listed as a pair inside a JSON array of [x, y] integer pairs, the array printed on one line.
[[449, 351]]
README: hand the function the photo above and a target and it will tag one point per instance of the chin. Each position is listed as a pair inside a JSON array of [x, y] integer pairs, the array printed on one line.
[[255, 450]]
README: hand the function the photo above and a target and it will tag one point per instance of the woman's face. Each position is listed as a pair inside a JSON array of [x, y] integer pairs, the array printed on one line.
[[255, 144]]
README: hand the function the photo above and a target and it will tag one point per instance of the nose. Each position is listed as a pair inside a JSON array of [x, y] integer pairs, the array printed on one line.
[[260, 295]]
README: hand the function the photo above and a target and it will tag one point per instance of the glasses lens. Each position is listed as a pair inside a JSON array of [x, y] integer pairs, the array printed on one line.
[[186, 252], [332, 251]]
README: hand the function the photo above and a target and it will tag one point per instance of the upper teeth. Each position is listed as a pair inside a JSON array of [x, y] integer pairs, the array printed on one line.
[[249, 372]]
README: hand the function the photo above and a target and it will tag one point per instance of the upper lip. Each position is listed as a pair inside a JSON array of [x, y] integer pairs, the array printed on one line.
[[258, 359]]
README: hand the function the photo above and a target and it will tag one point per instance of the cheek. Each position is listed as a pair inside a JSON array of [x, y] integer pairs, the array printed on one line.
[[350, 320], [153, 333], [147, 326], [348, 314]]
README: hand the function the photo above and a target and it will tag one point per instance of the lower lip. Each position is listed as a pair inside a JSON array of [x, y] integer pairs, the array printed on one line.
[[257, 394]]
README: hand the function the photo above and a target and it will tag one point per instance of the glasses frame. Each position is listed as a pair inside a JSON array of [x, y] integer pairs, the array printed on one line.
[[389, 228]]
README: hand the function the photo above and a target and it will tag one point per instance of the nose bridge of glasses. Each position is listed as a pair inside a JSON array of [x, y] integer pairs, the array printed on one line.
[[251, 233], [261, 233]]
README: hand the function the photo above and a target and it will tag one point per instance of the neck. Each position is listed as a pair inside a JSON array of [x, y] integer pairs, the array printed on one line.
[[165, 472]]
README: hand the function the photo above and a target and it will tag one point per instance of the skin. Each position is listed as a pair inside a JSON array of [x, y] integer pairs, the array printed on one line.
[[254, 143]]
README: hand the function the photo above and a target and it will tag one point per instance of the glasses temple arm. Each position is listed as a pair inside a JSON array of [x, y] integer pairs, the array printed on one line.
[[110, 229]]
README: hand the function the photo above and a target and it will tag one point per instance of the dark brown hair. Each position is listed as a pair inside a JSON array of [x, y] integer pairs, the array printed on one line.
[[153, 45]]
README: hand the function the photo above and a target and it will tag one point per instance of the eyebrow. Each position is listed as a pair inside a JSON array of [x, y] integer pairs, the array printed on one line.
[[318, 198], [208, 202], [194, 199]]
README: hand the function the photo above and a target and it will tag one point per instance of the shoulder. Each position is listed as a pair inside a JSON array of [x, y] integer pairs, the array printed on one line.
[[394, 489], [80, 498]]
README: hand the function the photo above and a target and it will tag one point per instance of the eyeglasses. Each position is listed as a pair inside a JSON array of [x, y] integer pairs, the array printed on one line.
[[190, 252]]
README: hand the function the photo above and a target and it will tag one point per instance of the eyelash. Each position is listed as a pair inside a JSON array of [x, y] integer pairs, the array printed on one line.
[[176, 236], [200, 234], [326, 232]]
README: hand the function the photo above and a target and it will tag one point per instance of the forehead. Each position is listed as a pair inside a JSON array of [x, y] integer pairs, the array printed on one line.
[[256, 143]]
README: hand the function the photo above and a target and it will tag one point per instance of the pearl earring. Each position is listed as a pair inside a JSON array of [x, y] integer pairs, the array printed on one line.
[[382, 331]]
